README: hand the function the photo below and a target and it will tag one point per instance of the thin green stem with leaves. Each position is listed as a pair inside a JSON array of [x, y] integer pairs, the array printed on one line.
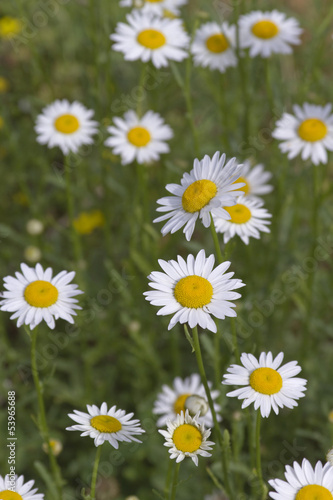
[[258, 456], [94, 473], [175, 482], [216, 240]]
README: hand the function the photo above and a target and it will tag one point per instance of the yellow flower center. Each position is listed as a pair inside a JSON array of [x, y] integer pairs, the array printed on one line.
[[312, 130], [217, 43], [10, 495], [245, 188], [67, 124], [193, 292], [139, 137], [314, 492], [104, 423], [86, 222], [179, 404], [9, 27], [265, 29], [239, 213], [41, 294], [151, 39], [266, 381], [198, 195], [187, 438]]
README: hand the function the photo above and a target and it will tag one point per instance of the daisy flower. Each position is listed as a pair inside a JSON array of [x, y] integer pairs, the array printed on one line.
[[17, 489], [308, 132], [255, 180], [158, 7], [208, 188], [141, 139], [151, 38], [186, 437], [66, 125], [102, 425], [34, 296], [192, 291], [267, 385], [265, 33], [185, 394], [304, 483], [247, 219], [213, 46]]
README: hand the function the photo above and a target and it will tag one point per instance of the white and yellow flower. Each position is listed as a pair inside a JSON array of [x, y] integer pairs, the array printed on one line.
[[265, 33], [158, 7], [141, 139], [66, 125], [303, 482], [186, 437], [34, 296], [183, 395], [17, 489], [255, 180], [309, 132], [266, 384], [151, 38], [248, 218], [210, 186], [214, 46], [192, 291], [103, 425]]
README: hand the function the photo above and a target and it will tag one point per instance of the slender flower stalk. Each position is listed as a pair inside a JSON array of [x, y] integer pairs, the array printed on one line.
[[75, 238], [216, 241], [95, 471], [175, 481], [258, 456]]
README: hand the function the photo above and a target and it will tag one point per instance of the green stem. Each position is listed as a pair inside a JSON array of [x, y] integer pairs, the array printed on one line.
[[70, 208], [258, 454], [94, 474], [175, 482], [234, 337], [142, 91], [269, 88], [216, 240], [168, 479], [243, 75], [42, 423], [189, 106]]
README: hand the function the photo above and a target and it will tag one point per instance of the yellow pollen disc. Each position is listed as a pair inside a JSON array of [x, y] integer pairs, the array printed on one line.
[[104, 423], [179, 404], [10, 495], [312, 130], [41, 294], [139, 137], [187, 438], [266, 381], [217, 43], [265, 29], [245, 188], [193, 292], [151, 39], [239, 213], [198, 195], [67, 124], [314, 492]]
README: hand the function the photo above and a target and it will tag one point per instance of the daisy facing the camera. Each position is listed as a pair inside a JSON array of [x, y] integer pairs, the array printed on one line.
[[19, 490]]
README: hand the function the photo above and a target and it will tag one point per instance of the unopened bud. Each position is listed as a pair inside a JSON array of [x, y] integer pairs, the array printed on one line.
[[34, 227], [195, 404]]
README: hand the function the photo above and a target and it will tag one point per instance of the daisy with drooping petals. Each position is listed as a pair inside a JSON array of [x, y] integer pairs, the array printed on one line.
[[18, 490], [248, 218], [309, 132], [102, 425], [185, 394], [66, 125], [255, 180], [265, 33], [151, 38], [266, 385], [303, 482], [141, 139], [158, 7], [186, 437], [208, 188], [213, 46], [192, 291], [34, 296]]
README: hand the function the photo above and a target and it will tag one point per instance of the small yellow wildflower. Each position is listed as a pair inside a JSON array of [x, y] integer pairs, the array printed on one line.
[[86, 222], [4, 85], [330, 416], [9, 27]]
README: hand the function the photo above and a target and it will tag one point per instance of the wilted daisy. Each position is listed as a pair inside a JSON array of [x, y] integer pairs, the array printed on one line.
[[304, 483], [265, 33], [255, 180], [208, 188], [308, 132], [102, 425], [157, 7], [192, 291], [34, 296], [185, 394], [248, 218], [141, 139], [266, 385], [186, 437], [66, 125], [17, 489], [213, 46], [151, 38]]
